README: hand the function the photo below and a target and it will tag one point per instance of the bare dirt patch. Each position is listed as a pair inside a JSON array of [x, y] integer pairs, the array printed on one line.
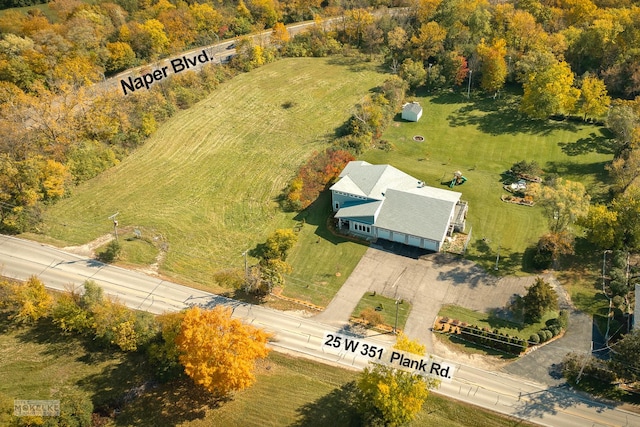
[[88, 249]]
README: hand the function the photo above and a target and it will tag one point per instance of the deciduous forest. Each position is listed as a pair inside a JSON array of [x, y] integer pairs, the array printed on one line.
[[576, 58]]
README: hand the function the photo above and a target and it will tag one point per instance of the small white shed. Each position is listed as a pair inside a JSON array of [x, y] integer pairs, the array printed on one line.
[[411, 111]]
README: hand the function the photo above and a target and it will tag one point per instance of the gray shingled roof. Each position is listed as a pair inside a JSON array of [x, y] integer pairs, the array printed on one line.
[[402, 203], [413, 107], [415, 214], [359, 210], [371, 181]]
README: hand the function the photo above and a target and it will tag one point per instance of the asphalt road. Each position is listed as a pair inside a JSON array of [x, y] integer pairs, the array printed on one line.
[[500, 392]]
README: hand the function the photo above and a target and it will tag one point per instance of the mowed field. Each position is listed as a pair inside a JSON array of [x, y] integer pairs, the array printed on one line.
[[207, 181], [482, 138]]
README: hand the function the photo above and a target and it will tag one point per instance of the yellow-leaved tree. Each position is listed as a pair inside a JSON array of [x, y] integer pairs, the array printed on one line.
[[218, 352], [391, 397], [27, 302]]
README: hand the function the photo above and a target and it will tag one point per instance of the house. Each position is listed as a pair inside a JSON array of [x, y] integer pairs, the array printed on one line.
[[411, 111], [382, 202]]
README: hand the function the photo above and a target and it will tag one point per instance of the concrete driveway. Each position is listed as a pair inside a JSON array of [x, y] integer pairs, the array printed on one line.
[[430, 281]]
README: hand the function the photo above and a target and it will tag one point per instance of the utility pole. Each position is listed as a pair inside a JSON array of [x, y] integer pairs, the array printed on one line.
[[115, 224], [469, 86], [395, 326], [497, 259], [246, 266]]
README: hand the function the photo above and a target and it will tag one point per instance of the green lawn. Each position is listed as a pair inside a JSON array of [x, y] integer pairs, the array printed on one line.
[[322, 260], [39, 363], [207, 181], [482, 320], [42, 364], [482, 138], [386, 307]]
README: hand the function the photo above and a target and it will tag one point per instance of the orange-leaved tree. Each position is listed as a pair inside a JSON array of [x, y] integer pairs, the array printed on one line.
[[219, 352]]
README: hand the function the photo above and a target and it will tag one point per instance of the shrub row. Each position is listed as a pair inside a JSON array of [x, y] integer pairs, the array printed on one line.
[[494, 339]]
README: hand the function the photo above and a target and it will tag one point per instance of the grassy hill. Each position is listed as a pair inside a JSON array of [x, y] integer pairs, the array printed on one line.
[[206, 182]]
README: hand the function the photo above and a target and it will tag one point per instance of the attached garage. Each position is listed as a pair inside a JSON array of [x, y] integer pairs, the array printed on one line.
[[430, 245], [384, 234], [398, 237], [414, 241]]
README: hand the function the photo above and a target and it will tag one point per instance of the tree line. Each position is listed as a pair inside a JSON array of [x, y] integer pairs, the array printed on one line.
[[217, 352]]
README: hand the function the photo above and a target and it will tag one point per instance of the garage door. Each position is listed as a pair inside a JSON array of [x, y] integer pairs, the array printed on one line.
[[430, 245], [399, 237], [384, 234], [414, 241]]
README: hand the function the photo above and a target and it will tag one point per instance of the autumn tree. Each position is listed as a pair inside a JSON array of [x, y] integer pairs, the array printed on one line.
[[551, 246], [455, 68], [404, 343], [28, 301], [280, 35], [564, 202], [549, 91], [593, 96], [624, 169], [114, 324], [623, 121], [218, 352], [272, 267], [601, 224], [539, 299], [355, 22], [387, 396], [493, 65], [627, 208], [396, 42], [207, 22], [164, 353], [413, 73], [69, 316], [121, 56], [319, 171], [428, 41]]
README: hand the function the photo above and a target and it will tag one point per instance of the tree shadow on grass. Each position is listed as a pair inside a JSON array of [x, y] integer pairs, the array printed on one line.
[[333, 409], [58, 343], [478, 348], [563, 168], [111, 388], [501, 116], [594, 143], [319, 213], [169, 404]]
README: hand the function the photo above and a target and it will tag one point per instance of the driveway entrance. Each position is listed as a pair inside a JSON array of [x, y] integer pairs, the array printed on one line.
[[427, 282]]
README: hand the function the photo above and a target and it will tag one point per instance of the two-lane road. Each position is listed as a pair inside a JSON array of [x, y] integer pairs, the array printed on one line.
[[558, 407]]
